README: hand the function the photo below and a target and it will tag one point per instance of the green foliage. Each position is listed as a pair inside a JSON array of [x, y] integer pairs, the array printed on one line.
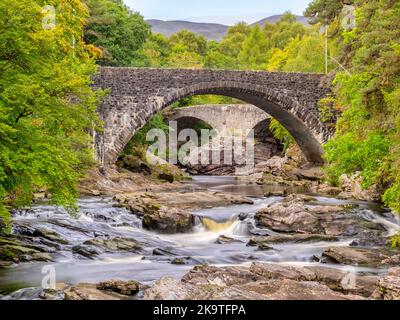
[[117, 31], [328, 110], [395, 241], [155, 122], [253, 53], [348, 154], [280, 133], [47, 108], [367, 137]]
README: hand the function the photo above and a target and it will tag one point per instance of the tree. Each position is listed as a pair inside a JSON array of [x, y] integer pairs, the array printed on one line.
[[47, 108], [117, 31], [368, 131], [232, 43], [305, 55], [156, 51], [188, 41], [254, 51]]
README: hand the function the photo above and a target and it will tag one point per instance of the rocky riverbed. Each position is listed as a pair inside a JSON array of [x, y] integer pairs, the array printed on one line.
[[211, 238]]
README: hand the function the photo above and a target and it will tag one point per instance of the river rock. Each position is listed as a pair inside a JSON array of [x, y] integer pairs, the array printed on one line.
[[168, 213], [294, 238], [86, 251], [126, 288], [12, 249], [88, 291], [389, 286], [333, 278], [142, 202], [260, 282], [169, 220], [288, 216], [373, 257], [295, 215], [115, 244], [225, 240]]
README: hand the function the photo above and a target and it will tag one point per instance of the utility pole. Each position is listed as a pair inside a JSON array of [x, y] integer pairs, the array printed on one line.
[[326, 48]]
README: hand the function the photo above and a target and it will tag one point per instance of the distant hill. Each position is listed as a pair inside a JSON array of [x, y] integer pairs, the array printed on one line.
[[212, 31]]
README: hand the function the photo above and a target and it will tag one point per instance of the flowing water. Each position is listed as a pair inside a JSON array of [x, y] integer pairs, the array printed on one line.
[[98, 216]]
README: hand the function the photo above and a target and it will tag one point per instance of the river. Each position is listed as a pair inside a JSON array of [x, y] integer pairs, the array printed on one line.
[[99, 217]]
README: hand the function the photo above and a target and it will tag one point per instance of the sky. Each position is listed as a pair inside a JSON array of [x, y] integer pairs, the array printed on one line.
[[217, 11]]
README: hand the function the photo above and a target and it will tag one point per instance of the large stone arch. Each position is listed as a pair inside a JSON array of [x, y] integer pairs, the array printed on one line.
[[137, 94]]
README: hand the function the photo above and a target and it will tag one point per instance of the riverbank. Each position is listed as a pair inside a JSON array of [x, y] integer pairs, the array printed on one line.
[[234, 224]]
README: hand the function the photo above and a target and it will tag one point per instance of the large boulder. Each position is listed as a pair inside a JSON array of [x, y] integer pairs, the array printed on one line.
[[89, 291], [260, 282], [114, 244], [373, 257], [296, 215], [168, 220], [126, 288]]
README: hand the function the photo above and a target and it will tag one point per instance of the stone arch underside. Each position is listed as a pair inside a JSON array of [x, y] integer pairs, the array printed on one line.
[[126, 111]]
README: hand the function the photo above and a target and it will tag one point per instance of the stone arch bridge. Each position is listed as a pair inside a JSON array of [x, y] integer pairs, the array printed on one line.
[[224, 118], [138, 93]]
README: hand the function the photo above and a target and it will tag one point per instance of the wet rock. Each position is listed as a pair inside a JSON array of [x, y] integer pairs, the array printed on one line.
[[115, 244], [86, 251], [294, 238], [52, 294], [88, 291], [164, 252], [126, 288], [181, 261], [373, 257], [168, 177], [243, 216], [142, 202], [5, 264], [369, 239], [225, 240], [298, 215], [30, 231], [291, 216], [12, 249], [169, 220], [389, 286]]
